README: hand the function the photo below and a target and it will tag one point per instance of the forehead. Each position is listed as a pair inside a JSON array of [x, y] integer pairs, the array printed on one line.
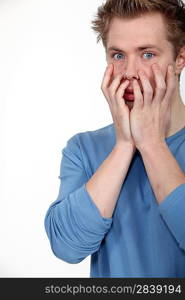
[[147, 28]]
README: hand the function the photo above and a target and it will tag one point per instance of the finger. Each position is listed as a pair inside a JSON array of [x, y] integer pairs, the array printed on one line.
[[120, 93], [115, 85], [138, 97], [160, 88], [107, 78], [170, 82], [147, 88]]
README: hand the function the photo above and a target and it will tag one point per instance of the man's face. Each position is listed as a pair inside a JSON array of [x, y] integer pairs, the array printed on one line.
[[137, 43]]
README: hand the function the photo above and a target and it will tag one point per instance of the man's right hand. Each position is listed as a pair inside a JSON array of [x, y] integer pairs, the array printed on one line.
[[113, 91]]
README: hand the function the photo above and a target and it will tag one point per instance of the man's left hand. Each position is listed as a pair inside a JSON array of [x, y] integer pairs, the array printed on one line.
[[150, 116]]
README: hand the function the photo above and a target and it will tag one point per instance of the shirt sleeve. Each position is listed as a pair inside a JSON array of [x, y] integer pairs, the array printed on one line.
[[73, 222], [172, 210]]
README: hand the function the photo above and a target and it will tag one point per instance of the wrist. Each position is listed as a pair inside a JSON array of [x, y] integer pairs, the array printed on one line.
[[125, 146], [151, 146]]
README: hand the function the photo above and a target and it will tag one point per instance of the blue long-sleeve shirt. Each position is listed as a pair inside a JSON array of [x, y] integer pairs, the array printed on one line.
[[142, 239]]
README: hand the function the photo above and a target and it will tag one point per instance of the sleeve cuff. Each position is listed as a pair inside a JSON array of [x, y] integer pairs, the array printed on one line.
[[88, 211], [172, 209]]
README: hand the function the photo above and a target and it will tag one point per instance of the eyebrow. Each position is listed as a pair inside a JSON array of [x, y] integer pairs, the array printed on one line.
[[144, 47]]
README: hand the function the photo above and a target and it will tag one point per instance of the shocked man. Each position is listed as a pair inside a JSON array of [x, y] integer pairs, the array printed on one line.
[[122, 190]]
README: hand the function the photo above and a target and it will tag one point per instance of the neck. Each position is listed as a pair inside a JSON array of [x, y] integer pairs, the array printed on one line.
[[177, 115]]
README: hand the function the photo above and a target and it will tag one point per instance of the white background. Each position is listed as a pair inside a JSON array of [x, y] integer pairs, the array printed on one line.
[[51, 70]]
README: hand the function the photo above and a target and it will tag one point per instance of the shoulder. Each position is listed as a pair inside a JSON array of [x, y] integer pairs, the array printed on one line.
[[102, 139], [101, 133], [101, 136]]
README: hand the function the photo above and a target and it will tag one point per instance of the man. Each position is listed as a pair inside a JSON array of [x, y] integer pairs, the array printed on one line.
[[122, 192]]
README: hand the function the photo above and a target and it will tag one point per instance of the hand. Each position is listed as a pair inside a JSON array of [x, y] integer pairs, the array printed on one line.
[[113, 91], [151, 114]]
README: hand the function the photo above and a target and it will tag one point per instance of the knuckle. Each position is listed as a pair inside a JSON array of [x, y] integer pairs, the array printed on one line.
[[162, 88], [149, 92], [105, 93], [103, 87], [108, 98]]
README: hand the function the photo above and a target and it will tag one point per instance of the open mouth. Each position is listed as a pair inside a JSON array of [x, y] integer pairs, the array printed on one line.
[[129, 95]]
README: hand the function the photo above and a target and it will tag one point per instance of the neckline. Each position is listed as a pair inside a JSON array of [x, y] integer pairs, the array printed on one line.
[[175, 134]]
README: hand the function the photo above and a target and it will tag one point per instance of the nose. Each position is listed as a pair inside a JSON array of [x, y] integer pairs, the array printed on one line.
[[130, 77], [131, 70]]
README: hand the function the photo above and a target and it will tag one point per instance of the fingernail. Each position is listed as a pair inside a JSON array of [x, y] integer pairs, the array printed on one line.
[[141, 72]]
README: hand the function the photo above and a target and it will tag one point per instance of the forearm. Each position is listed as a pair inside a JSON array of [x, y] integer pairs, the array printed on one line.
[[105, 184], [162, 168]]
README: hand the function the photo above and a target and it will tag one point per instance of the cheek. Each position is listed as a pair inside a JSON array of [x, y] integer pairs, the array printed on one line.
[[117, 70]]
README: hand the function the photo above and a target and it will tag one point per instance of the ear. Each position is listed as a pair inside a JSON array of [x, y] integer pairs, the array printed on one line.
[[180, 61]]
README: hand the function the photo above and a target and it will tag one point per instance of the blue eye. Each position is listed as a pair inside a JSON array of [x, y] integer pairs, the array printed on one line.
[[149, 55], [118, 56]]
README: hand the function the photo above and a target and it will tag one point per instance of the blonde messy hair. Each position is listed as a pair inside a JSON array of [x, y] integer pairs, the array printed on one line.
[[172, 10]]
